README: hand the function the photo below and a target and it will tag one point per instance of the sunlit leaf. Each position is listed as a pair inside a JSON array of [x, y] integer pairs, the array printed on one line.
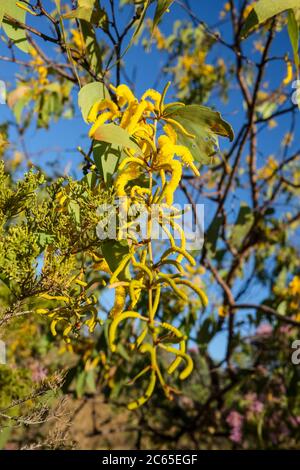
[[89, 94], [113, 134], [161, 8], [14, 32], [293, 30], [263, 10], [205, 124]]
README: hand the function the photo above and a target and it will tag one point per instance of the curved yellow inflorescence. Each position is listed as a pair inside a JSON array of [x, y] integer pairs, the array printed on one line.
[[149, 177]]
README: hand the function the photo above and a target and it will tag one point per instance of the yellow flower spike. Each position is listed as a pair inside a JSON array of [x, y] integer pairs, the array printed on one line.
[[139, 191], [135, 160], [173, 330], [138, 114], [179, 126], [95, 362], [141, 337], [289, 73], [132, 291], [91, 324], [186, 156], [102, 105], [174, 213], [54, 297], [176, 363], [99, 122], [156, 300], [173, 184], [119, 303], [148, 393], [53, 327], [114, 325], [26, 8], [42, 311], [130, 173], [147, 139], [145, 269], [170, 133], [166, 278], [124, 94], [67, 331], [169, 235], [172, 262], [80, 283], [154, 95], [120, 268], [125, 120], [197, 289], [179, 229], [170, 251], [189, 362]]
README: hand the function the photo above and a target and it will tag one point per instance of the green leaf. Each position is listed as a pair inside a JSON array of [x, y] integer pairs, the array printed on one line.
[[90, 381], [88, 10], [74, 210], [114, 251], [293, 30], [205, 124], [93, 52], [5, 435], [113, 134], [242, 225], [80, 384], [44, 239], [142, 15], [14, 32], [107, 158], [263, 10], [57, 3], [1, 14], [161, 8], [90, 179], [90, 94], [212, 233]]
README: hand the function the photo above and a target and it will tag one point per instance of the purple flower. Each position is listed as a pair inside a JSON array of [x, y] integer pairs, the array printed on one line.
[[235, 421], [255, 405], [265, 329], [39, 373]]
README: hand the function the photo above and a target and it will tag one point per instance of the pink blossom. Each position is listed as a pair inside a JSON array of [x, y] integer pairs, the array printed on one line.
[[235, 421], [265, 329]]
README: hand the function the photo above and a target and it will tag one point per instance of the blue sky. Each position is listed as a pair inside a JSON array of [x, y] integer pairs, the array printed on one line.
[[63, 137]]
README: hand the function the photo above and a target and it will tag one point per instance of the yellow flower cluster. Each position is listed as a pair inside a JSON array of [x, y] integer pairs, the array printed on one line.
[[157, 159], [140, 119], [38, 64]]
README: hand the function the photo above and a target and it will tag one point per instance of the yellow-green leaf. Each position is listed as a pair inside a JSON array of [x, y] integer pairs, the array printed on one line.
[[205, 124], [161, 8], [14, 32], [293, 30], [113, 134], [263, 10], [89, 95]]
